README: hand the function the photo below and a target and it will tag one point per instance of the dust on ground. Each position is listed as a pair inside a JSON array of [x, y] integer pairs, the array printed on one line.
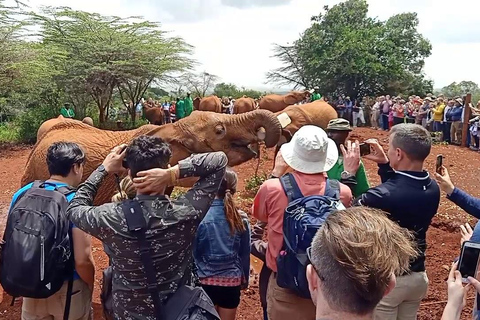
[[443, 236]]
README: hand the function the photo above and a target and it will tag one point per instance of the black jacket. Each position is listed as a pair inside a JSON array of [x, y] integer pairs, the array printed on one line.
[[411, 199]]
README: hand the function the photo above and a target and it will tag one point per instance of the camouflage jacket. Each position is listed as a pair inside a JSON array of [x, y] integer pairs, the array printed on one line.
[[172, 228]]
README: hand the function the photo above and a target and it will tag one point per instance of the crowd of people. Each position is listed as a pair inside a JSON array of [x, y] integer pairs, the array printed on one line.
[[443, 116], [361, 253]]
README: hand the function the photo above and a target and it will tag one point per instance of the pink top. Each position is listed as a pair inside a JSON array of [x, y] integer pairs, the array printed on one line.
[[270, 203]]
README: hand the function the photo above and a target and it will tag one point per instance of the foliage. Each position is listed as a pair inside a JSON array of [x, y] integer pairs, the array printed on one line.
[[460, 89], [199, 84], [346, 52], [9, 133], [253, 183], [99, 54], [29, 122], [230, 90]]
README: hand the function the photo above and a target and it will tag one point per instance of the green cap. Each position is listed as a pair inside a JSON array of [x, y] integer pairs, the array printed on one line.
[[339, 124]]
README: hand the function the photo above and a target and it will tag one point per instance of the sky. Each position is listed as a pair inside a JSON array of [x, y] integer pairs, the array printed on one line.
[[233, 39]]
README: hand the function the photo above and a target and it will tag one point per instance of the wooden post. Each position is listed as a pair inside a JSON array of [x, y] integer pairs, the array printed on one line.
[[466, 118]]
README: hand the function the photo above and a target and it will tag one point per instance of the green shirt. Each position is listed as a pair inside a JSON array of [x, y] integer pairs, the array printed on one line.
[[362, 180], [67, 113], [180, 110], [316, 96], [188, 102]]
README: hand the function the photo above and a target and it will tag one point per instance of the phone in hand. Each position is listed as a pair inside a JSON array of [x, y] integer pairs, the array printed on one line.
[[468, 262], [439, 164], [364, 149], [124, 161]]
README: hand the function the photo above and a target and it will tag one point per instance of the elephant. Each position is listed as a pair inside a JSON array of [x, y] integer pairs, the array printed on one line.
[[154, 115], [275, 102], [243, 105], [211, 103], [88, 120], [196, 103], [318, 113], [236, 135], [45, 126]]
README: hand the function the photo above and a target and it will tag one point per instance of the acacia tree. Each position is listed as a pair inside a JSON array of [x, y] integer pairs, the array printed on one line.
[[200, 84], [346, 52], [103, 53]]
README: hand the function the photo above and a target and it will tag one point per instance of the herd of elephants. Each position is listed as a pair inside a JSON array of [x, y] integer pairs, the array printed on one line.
[[238, 135]]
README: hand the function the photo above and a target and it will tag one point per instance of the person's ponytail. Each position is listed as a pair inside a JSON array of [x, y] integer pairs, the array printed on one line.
[[227, 190]]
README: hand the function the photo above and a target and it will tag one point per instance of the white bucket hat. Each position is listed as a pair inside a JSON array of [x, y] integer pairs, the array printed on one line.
[[310, 151]]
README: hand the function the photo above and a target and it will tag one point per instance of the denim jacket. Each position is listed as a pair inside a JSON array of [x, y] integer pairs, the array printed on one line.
[[217, 253]]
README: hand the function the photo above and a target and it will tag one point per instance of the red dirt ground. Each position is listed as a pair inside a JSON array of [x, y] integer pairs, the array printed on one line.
[[443, 236]]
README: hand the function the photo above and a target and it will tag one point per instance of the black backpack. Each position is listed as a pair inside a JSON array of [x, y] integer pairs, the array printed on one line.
[[37, 252]]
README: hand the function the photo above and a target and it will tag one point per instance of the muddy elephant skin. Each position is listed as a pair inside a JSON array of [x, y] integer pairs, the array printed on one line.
[[275, 102], [211, 103], [237, 135], [154, 115], [243, 105]]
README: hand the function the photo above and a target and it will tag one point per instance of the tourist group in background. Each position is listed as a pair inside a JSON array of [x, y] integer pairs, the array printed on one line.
[[440, 115]]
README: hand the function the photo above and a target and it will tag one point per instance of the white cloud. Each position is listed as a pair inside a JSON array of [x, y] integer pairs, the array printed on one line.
[[233, 38]]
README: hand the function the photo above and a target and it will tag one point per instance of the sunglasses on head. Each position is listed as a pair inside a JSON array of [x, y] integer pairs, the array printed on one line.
[[309, 255]]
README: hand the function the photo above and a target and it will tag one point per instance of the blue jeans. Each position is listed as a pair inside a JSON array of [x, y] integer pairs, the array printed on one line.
[[385, 122], [437, 126]]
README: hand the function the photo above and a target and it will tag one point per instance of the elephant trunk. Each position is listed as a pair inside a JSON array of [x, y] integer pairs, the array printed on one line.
[[262, 123]]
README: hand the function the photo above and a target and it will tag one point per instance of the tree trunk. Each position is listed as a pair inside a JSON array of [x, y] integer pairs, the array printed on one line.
[[101, 116]]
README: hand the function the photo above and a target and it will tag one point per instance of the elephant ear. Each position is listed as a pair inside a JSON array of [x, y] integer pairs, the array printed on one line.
[[290, 99]]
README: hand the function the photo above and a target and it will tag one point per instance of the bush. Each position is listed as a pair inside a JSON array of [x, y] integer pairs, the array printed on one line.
[[29, 122], [9, 133], [253, 184]]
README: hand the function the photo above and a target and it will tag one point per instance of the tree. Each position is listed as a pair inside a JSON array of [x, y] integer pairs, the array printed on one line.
[[226, 90], [102, 53], [346, 52], [460, 89], [200, 84]]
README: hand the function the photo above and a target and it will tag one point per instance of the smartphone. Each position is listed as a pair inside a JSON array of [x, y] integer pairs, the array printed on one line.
[[439, 164], [124, 161], [364, 149], [468, 262]]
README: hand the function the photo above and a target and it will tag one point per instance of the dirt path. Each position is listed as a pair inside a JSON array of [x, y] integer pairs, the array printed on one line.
[[443, 236]]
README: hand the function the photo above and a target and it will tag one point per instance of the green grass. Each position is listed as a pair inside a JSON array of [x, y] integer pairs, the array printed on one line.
[[9, 133]]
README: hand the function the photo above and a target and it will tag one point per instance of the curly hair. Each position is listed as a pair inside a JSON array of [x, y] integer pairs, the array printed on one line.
[[127, 191]]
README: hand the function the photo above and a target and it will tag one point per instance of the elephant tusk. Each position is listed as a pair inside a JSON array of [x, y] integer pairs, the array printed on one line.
[[284, 119]]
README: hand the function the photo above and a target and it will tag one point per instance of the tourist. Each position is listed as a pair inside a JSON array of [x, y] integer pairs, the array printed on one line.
[[456, 115], [222, 249], [350, 272], [374, 117], [403, 177], [438, 116], [65, 162], [172, 224], [309, 154]]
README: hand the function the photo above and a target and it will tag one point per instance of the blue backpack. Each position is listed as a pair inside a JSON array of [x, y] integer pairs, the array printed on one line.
[[302, 219]]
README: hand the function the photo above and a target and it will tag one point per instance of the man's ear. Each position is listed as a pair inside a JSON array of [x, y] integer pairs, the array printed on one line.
[[391, 284], [313, 282]]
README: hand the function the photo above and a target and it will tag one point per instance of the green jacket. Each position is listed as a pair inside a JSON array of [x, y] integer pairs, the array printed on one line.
[[180, 110], [188, 102], [67, 113], [362, 180], [316, 96]]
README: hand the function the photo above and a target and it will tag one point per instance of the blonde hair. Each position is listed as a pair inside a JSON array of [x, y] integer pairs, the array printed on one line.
[[227, 189], [127, 190], [355, 254]]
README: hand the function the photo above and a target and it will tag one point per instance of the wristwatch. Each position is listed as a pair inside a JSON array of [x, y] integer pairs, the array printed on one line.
[[101, 168], [346, 175]]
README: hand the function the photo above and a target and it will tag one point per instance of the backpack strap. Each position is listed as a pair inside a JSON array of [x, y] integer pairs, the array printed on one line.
[[68, 301], [332, 189], [137, 225], [290, 187]]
